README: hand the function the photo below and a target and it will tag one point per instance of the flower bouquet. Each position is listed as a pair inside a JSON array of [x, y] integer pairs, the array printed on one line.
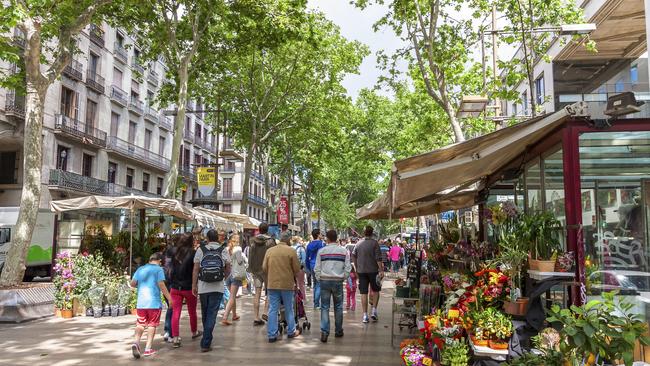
[[415, 355], [491, 286], [64, 283], [499, 328], [123, 297]]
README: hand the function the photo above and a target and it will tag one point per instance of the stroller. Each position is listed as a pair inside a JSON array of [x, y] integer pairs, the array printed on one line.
[[298, 311]]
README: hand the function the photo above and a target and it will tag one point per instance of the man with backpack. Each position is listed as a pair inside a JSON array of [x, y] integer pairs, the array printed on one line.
[[260, 244], [211, 267]]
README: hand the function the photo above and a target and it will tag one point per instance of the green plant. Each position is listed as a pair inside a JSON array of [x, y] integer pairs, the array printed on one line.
[[450, 231], [607, 329], [541, 231], [455, 353], [497, 324], [511, 260], [551, 358], [133, 299], [88, 269]]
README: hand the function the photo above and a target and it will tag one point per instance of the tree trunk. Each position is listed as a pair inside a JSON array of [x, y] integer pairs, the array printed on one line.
[[267, 182], [459, 136], [248, 167], [179, 128], [36, 88]]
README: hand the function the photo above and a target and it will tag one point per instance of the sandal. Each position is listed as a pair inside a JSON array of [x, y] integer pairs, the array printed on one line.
[[265, 317], [197, 334], [225, 322], [235, 318], [258, 322]]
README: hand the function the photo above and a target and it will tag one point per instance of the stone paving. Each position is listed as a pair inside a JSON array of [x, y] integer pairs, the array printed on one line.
[[106, 341]]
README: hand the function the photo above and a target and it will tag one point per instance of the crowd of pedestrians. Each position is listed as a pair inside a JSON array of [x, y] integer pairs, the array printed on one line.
[[211, 270]]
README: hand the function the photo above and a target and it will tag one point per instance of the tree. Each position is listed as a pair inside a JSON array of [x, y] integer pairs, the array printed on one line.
[[271, 90], [50, 29]]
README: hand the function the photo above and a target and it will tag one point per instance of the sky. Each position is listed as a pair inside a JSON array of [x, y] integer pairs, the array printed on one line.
[[356, 24]]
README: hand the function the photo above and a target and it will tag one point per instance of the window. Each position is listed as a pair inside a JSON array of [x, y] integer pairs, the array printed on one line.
[[8, 171], [227, 187], [119, 39], [205, 134], [514, 109], [147, 139], [619, 86], [150, 97], [115, 122], [129, 177], [524, 102], [539, 90], [93, 64], [230, 165], [112, 172], [161, 146], [186, 155], [159, 186], [197, 130], [197, 159], [132, 129], [62, 156], [135, 87], [227, 207], [87, 165], [117, 77], [145, 182], [69, 100], [634, 74], [187, 125], [91, 115]]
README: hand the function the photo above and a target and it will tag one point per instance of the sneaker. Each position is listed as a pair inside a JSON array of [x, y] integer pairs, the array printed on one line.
[[323, 337], [177, 342], [338, 334], [258, 323], [197, 334], [149, 352], [167, 338], [295, 334], [135, 349], [365, 319], [373, 316], [273, 340]]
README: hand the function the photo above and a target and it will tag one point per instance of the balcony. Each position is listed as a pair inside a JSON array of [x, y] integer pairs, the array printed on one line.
[[136, 106], [187, 172], [229, 196], [135, 64], [94, 81], [165, 123], [15, 105], [257, 176], [152, 78], [230, 153], [78, 130], [230, 170], [96, 34], [137, 153], [119, 96], [256, 199], [151, 114], [120, 190], [120, 53], [74, 70], [68, 181], [187, 135]]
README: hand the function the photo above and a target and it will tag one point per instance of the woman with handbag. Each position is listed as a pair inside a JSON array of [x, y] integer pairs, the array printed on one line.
[[236, 278]]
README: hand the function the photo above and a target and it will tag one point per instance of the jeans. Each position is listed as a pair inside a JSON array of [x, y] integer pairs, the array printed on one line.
[[168, 320], [316, 290], [177, 307], [308, 273], [331, 289], [275, 296], [209, 308]]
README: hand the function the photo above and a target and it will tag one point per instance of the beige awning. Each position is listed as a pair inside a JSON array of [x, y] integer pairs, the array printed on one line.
[[168, 206], [245, 221], [214, 219]]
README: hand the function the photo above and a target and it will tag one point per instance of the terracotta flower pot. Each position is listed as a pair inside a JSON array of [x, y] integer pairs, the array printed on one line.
[[513, 307], [500, 345], [523, 305], [66, 313], [479, 342], [542, 266]]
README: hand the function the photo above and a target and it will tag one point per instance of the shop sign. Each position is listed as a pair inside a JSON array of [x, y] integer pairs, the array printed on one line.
[[283, 210], [207, 178]]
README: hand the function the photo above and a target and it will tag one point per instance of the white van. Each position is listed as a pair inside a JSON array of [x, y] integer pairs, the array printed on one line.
[[39, 257]]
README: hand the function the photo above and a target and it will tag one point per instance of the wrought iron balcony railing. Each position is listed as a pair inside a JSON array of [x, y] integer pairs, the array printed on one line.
[[135, 63], [137, 153], [256, 199], [96, 34], [15, 105], [94, 81], [74, 70], [120, 53], [79, 130], [78, 183], [119, 96], [152, 77], [151, 114], [165, 122], [136, 106]]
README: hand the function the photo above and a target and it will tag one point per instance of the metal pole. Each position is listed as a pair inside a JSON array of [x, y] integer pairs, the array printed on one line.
[[497, 110], [131, 244]]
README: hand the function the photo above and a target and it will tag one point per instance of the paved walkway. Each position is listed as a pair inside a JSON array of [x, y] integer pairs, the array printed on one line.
[[106, 341]]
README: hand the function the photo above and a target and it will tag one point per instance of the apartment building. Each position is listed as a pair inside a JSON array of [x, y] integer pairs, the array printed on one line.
[[575, 74]]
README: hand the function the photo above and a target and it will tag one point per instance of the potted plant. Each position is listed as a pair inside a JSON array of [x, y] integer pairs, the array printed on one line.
[[455, 353], [479, 336], [123, 297], [499, 327], [112, 295], [64, 284], [512, 260], [542, 231], [133, 301], [96, 297]]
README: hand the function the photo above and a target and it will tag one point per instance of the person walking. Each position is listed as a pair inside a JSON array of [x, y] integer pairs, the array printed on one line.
[[281, 266], [150, 281], [332, 269], [181, 287], [370, 270], [385, 248], [235, 280], [351, 291], [302, 258], [395, 253], [261, 243], [312, 250], [211, 266], [169, 253]]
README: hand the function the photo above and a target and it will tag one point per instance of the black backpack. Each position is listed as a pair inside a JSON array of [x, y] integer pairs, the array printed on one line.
[[211, 268]]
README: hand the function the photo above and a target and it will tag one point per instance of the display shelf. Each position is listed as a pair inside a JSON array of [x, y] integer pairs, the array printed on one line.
[[540, 276], [495, 354]]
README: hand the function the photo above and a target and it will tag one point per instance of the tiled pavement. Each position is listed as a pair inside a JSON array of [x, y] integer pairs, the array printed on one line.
[[106, 341]]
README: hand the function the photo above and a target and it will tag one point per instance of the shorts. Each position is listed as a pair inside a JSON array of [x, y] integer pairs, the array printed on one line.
[[232, 281], [259, 280], [366, 279], [148, 317]]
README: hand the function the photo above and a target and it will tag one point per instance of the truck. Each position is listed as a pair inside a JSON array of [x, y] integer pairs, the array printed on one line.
[[39, 257]]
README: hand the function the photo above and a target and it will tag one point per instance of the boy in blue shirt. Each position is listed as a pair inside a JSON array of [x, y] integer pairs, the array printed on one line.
[[150, 281], [312, 251]]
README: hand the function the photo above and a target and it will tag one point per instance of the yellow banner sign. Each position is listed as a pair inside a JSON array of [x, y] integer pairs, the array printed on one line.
[[207, 177]]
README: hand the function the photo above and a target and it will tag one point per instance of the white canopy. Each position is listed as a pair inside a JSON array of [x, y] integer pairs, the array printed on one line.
[[168, 206]]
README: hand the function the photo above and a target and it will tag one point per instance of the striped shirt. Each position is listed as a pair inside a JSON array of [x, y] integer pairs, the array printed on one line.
[[332, 263]]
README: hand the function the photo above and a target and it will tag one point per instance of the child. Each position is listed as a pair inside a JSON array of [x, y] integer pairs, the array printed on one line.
[[150, 281], [351, 290]]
